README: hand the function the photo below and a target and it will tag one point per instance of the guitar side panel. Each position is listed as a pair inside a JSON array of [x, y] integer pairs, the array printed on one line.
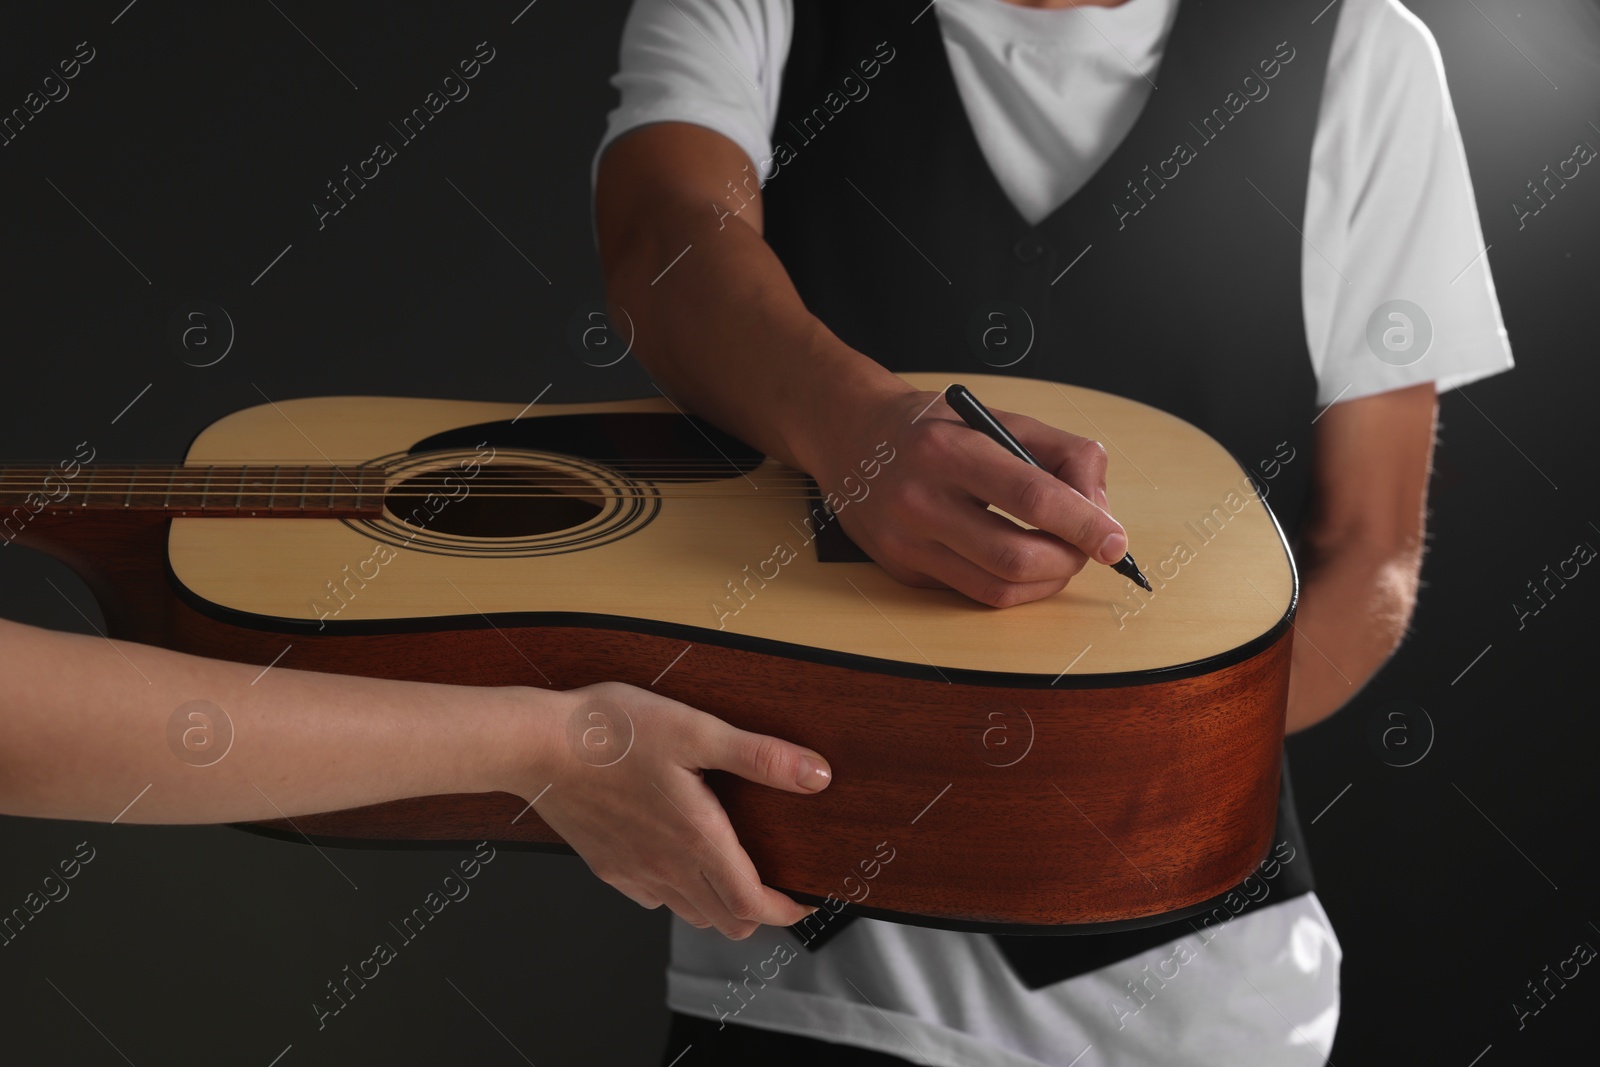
[[1013, 807]]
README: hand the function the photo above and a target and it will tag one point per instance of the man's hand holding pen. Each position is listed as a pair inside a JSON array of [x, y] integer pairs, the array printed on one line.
[[928, 523]]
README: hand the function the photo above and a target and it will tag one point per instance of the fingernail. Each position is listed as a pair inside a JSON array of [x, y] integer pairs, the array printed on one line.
[[1113, 548], [814, 773]]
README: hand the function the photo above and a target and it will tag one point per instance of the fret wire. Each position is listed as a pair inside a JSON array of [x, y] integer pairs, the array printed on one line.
[[272, 493], [166, 501], [205, 488], [133, 481], [305, 486]]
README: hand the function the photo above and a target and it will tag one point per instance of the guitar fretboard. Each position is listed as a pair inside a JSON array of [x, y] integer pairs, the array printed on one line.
[[255, 490]]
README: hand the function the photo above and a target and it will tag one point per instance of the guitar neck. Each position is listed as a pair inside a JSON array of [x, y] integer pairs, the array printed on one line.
[[253, 491]]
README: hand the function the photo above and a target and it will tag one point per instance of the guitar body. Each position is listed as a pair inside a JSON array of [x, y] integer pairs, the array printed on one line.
[[1104, 757]]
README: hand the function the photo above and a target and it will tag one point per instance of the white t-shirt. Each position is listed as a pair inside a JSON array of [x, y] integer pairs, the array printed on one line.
[[1389, 215]]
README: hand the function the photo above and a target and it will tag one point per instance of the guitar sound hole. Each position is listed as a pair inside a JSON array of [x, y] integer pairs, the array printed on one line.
[[500, 501]]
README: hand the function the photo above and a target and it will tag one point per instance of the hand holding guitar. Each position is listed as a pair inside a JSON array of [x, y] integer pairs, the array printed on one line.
[[648, 825]]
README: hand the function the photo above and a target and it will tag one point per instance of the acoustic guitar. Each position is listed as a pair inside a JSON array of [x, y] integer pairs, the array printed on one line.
[[1097, 759]]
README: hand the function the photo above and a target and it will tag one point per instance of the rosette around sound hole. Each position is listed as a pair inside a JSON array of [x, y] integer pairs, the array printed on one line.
[[517, 503]]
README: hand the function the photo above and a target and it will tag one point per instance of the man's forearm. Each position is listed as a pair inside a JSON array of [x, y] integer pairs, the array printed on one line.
[[1354, 609], [719, 324], [84, 729]]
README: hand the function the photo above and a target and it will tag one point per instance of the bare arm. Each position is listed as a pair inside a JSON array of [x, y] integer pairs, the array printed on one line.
[[723, 330], [84, 730], [84, 734], [1362, 549]]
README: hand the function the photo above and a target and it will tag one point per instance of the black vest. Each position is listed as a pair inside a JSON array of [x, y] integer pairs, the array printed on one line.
[[1172, 277]]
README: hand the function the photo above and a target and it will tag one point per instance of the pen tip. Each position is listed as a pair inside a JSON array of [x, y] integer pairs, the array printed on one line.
[[1130, 570]]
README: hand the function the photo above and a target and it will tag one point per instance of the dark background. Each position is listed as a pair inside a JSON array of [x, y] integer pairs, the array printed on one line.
[[196, 141]]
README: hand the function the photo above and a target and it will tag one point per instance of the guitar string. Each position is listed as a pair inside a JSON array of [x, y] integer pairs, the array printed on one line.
[[339, 490], [144, 473], [292, 480], [151, 475], [411, 487], [236, 479], [299, 462], [345, 503]]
